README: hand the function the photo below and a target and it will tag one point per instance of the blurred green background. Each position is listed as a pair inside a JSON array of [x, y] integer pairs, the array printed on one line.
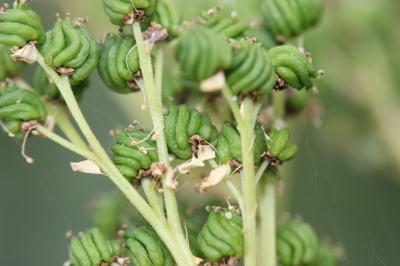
[[345, 181]]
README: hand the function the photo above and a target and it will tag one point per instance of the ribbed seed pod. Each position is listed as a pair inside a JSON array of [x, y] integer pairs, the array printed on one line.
[[120, 11], [221, 236], [202, 53], [167, 15], [8, 67], [290, 18], [326, 256], [20, 25], [92, 249], [184, 123], [134, 151], [145, 248], [119, 63], [228, 25], [251, 70], [70, 50], [44, 87], [19, 105], [297, 243], [279, 147], [293, 67], [229, 145]]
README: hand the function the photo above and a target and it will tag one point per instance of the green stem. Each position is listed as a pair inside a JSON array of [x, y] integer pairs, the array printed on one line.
[[249, 187], [236, 193], [154, 102], [109, 169], [65, 125], [246, 118], [267, 210], [65, 143], [155, 199]]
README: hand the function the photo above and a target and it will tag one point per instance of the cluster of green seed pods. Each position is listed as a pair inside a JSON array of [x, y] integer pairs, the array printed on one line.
[[297, 243], [92, 249], [202, 52], [183, 125], [145, 248], [290, 18], [229, 144], [134, 151], [71, 50], [293, 67], [121, 11], [8, 67], [229, 26], [167, 16], [279, 149], [119, 62], [251, 70], [19, 105], [20, 25], [221, 236]]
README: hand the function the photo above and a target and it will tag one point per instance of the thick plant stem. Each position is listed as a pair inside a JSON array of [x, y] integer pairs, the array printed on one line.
[[267, 211], [246, 118], [154, 102], [249, 187], [109, 169]]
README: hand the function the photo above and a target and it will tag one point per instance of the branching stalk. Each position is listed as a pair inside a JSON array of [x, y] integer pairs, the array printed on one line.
[[153, 96], [109, 169]]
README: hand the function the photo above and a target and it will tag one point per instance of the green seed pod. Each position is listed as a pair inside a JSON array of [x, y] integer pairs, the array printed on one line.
[[145, 248], [290, 18], [8, 67], [20, 25], [182, 125], [134, 151], [70, 50], [119, 63], [229, 144], [19, 105], [326, 256], [202, 53], [229, 26], [122, 11], [297, 243], [278, 146], [44, 87], [92, 249], [221, 236], [167, 15], [251, 70], [293, 67]]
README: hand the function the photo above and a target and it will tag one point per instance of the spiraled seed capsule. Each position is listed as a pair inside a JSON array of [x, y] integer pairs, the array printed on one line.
[[71, 50], [20, 25], [145, 248], [221, 236], [290, 18], [297, 243]]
